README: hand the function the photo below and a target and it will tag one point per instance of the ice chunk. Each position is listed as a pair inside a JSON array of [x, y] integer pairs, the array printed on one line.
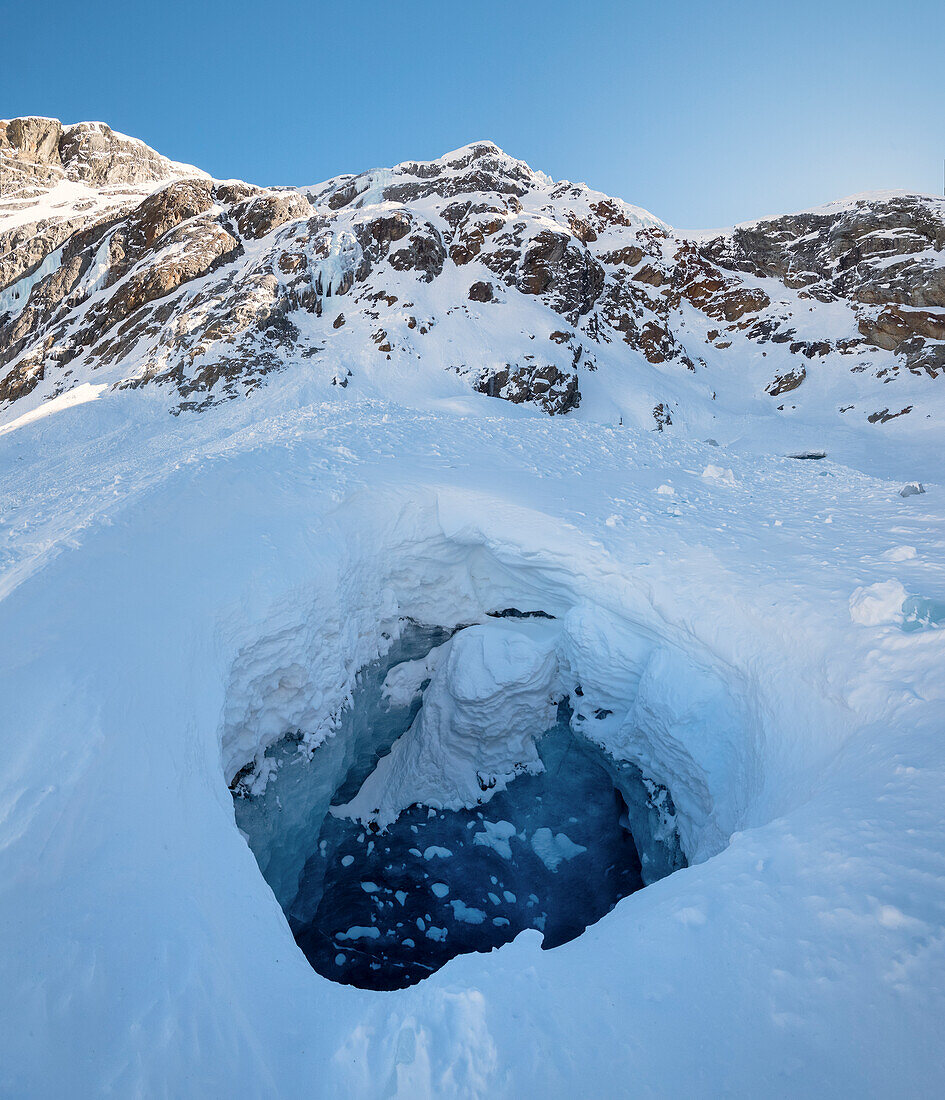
[[719, 473], [878, 604], [435, 851], [465, 913], [439, 889], [899, 553], [554, 848], [496, 835], [359, 932], [911, 489]]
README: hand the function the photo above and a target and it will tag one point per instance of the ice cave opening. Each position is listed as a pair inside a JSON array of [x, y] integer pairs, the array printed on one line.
[[461, 799]]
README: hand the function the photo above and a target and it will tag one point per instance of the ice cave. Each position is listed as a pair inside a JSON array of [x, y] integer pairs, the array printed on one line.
[[461, 799]]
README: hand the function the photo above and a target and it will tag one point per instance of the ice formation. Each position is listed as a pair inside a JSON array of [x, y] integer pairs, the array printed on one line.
[[488, 798], [491, 695]]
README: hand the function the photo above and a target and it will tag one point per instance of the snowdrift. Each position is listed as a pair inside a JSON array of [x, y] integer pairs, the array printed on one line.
[[194, 596]]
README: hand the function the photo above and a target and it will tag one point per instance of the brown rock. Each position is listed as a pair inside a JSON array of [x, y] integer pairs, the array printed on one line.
[[650, 275], [629, 256], [896, 324], [481, 292], [256, 217], [784, 383]]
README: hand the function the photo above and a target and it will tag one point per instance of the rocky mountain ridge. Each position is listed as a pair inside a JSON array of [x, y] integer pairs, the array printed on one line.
[[472, 272]]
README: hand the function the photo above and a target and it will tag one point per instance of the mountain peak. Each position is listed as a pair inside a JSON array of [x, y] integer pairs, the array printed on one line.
[[42, 150], [470, 266]]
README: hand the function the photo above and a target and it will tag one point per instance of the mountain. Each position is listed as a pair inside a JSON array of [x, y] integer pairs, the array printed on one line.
[[470, 272], [460, 636]]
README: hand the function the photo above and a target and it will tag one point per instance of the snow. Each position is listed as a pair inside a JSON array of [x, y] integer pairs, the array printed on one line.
[[489, 697], [879, 603], [553, 848], [78, 396], [404, 681], [176, 593]]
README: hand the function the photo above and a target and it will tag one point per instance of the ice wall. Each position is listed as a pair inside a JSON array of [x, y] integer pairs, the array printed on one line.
[[495, 814]]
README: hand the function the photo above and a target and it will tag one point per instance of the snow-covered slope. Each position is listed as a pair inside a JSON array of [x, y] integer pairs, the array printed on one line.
[[760, 634], [468, 273]]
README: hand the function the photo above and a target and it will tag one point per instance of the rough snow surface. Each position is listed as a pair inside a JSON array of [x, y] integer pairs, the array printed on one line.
[[178, 593]]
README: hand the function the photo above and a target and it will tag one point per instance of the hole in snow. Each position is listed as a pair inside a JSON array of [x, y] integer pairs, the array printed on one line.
[[457, 803]]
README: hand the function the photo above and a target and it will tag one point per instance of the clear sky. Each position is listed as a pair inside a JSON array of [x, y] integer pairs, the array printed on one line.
[[705, 113]]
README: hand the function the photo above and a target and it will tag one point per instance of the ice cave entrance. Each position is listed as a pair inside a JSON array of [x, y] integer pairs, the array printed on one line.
[[460, 801]]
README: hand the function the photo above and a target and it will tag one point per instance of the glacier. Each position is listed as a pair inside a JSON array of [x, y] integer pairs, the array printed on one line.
[[269, 558], [220, 632]]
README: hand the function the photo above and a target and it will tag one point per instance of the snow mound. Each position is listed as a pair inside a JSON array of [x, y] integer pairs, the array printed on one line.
[[878, 604], [489, 697]]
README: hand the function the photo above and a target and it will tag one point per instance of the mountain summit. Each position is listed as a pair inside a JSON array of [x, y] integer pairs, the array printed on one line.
[[471, 272]]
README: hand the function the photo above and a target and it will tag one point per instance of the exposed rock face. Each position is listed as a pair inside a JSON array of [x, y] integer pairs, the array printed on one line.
[[29, 149], [93, 153], [481, 292], [112, 256], [847, 253], [784, 383], [259, 215], [44, 150], [546, 386], [39, 158], [558, 267], [874, 251]]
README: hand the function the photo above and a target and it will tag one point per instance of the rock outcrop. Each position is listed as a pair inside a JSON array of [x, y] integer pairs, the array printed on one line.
[[112, 256]]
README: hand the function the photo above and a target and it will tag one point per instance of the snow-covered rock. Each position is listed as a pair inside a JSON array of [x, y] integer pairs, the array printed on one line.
[[469, 272]]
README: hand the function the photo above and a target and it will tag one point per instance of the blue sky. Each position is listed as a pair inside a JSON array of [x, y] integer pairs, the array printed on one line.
[[705, 113]]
